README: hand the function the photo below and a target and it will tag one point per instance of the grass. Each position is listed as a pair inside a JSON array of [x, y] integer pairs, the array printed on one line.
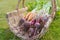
[[5, 34]]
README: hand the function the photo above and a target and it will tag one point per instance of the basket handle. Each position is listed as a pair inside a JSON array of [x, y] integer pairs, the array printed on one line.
[[53, 8], [17, 7]]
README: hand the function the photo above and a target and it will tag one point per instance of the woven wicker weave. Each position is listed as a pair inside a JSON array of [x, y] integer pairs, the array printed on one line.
[[14, 17]]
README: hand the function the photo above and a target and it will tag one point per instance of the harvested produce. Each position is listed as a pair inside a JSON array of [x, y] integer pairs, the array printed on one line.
[[21, 21], [31, 32], [34, 21], [26, 26]]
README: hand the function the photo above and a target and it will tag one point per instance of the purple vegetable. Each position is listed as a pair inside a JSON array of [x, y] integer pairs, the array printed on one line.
[[31, 32], [26, 26], [45, 19], [37, 25], [33, 21], [21, 21]]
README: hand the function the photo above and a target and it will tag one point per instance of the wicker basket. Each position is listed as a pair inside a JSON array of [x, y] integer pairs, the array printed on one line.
[[14, 17]]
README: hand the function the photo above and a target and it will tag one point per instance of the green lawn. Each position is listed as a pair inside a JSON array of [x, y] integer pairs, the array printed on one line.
[[5, 34]]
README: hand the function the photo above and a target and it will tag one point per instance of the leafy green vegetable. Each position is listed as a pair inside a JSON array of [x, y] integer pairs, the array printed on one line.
[[37, 4], [40, 4], [47, 7], [31, 5]]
